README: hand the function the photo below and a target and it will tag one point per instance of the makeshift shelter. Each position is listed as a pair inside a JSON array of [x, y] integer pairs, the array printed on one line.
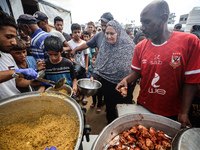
[[17, 7]]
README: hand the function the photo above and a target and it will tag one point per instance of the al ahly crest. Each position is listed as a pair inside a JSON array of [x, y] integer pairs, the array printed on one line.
[[176, 60]]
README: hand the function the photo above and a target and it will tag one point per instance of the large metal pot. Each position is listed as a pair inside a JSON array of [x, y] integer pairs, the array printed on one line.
[[187, 139], [31, 106], [125, 122]]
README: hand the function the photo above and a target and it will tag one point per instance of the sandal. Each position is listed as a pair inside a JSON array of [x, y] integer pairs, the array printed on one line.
[[92, 105], [98, 109]]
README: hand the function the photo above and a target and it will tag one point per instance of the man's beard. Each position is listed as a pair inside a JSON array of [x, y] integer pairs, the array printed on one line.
[[5, 51], [155, 33]]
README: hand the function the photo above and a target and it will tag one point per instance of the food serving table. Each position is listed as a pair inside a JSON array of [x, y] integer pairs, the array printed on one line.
[[123, 109]]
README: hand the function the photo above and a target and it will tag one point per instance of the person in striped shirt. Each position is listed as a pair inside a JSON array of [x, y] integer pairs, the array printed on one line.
[[28, 24]]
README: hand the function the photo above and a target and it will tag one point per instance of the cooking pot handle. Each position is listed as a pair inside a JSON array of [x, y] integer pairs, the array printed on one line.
[[87, 128]]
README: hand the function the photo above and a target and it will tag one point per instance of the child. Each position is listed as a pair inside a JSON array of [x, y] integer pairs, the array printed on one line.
[[58, 67], [90, 28], [86, 37], [99, 94], [23, 61], [81, 57]]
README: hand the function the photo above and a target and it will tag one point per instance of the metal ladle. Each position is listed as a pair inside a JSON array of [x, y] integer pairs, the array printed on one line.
[[58, 84]]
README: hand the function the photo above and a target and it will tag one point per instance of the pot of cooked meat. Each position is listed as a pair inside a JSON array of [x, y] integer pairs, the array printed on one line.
[[138, 132], [36, 120]]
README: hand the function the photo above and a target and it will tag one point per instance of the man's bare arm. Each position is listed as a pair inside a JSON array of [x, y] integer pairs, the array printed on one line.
[[6, 75], [80, 48], [86, 62], [66, 46], [23, 83], [189, 91], [130, 78]]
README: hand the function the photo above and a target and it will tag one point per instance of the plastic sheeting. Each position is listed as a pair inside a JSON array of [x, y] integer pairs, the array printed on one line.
[[5, 7], [53, 12], [193, 19], [16, 6]]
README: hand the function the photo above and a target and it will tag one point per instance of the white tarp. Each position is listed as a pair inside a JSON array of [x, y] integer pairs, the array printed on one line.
[[17, 8], [53, 12], [5, 7]]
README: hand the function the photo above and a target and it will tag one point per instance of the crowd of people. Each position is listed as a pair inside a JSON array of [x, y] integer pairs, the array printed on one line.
[[166, 62]]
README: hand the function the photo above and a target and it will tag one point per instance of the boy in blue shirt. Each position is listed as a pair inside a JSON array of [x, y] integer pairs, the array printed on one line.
[[58, 67]]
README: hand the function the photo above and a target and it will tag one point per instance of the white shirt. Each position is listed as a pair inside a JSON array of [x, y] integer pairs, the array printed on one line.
[[79, 56], [7, 88], [57, 34]]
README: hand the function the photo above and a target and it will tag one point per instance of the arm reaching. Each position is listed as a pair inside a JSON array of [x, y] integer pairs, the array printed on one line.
[[189, 91], [80, 48], [124, 83]]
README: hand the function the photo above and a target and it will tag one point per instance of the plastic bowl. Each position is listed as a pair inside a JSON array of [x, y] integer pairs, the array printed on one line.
[[88, 88]]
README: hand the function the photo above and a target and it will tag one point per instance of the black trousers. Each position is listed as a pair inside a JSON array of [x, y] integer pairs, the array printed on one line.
[[112, 98], [97, 98]]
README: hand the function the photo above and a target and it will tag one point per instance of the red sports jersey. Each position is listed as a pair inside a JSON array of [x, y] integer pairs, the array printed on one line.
[[164, 69]]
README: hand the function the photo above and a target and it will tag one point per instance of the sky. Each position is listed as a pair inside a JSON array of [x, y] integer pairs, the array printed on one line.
[[83, 11]]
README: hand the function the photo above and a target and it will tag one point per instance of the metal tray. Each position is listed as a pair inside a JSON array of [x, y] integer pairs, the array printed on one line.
[[168, 126], [187, 139]]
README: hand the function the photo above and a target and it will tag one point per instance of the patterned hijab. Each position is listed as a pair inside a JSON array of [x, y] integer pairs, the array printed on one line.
[[113, 62]]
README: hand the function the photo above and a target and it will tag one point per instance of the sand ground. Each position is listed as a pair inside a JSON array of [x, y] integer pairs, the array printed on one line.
[[98, 121]]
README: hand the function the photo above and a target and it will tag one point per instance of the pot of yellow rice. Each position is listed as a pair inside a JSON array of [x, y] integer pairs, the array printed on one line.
[[36, 120]]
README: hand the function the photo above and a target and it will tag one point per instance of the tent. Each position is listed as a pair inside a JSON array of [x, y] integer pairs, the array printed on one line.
[[17, 7]]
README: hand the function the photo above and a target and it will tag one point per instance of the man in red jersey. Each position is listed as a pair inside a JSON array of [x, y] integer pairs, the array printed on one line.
[[168, 64]]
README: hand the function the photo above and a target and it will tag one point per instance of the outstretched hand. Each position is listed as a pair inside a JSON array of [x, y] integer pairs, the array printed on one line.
[[184, 120], [40, 65], [122, 88], [121, 84], [72, 53]]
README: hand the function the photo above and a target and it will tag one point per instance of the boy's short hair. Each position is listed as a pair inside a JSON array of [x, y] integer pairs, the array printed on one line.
[[87, 33], [75, 26], [57, 18], [7, 20], [21, 45], [128, 31], [91, 23], [94, 55], [53, 43]]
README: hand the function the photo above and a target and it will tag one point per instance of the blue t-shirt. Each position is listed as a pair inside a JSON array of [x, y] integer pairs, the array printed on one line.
[[64, 69], [31, 62], [37, 45]]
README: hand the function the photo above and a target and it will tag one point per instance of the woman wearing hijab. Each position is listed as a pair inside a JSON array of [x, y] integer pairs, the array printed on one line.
[[113, 63]]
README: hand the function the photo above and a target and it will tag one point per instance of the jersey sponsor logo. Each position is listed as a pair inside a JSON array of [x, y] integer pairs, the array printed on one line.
[[155, 80], [156, 60], [144, 61], [176, 60], [154, 89]]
